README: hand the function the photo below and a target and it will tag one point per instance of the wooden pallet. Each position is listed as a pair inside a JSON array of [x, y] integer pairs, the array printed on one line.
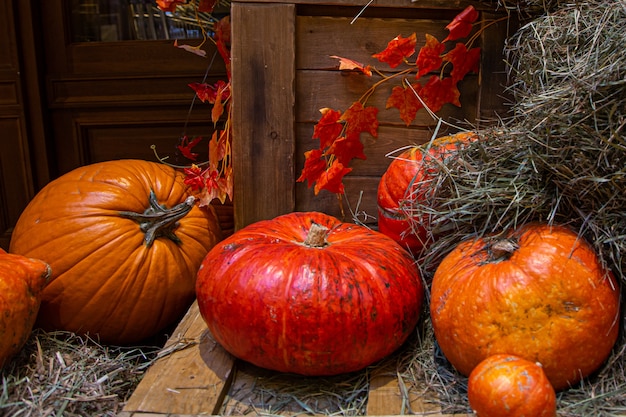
[[194, 376]]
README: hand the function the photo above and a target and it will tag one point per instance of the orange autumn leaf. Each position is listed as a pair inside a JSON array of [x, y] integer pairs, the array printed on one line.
[[360, 119], [332, 178], [328, 128], [429, 57], [397, 50], [461, 25], [462, 60], [406, 101], [346, 64]]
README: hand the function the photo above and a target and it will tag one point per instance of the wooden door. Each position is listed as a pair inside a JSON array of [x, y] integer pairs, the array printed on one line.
[[23, 152]]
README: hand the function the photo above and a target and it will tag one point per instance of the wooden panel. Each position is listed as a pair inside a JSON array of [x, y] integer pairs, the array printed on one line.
[[263, 110], [146, 90]]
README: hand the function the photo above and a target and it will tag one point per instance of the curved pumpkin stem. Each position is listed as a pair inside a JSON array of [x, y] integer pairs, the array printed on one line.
[[158, 220], [316, 237], [502, 249]]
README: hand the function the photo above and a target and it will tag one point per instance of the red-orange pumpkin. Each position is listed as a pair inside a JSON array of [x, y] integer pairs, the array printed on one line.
[[539, 293], [509, 386], [21, 282], [408, 179], [305, 293], [124, 241]]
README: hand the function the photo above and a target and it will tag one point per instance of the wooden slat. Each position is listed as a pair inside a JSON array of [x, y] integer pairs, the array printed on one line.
[[192, 377], [263, 74]]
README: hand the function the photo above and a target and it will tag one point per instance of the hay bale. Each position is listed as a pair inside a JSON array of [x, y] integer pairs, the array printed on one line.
[[561, 157]]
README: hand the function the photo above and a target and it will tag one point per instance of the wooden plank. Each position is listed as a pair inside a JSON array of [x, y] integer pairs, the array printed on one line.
[[192, 375], [442, 4], [263, 117]]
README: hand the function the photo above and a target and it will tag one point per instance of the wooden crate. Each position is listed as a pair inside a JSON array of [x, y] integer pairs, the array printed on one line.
[[194, 376], [282, 75]]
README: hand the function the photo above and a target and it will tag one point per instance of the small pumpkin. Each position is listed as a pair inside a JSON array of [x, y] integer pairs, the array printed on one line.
[[21, 282], [124, 241], [539, 292], [408, 178], [305, 293], [509, 386]]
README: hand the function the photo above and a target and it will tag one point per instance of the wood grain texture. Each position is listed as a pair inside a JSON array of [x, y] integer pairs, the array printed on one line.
[[263, 110]]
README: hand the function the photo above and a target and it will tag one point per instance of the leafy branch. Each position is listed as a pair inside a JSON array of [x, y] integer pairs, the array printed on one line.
[[339, 133]]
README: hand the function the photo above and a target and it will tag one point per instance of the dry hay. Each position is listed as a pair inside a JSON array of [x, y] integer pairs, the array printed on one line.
[[560, 158], [61, 374]]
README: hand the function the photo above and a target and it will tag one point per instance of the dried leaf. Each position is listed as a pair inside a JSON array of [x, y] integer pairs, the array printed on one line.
[[346, 64]]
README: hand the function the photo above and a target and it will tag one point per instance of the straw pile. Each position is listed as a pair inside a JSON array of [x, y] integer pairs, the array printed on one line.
[[61, 374], [561, 157]]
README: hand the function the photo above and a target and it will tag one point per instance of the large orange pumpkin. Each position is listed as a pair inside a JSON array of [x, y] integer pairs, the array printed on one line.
[[509, 386], [408, 179], [539, 293], [21, 282], [124, 241], [305, 293]]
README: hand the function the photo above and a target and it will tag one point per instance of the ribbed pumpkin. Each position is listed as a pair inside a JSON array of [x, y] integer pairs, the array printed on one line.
[[510, 386], [124, 241], [539, 293], [21, 282], [305, 293], [406, 179]]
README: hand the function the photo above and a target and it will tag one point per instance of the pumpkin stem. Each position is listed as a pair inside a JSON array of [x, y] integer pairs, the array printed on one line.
[[157, 220], [316, 238], [502, 249]]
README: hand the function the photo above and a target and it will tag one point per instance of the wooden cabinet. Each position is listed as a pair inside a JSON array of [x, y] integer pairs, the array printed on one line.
[[66, 103]]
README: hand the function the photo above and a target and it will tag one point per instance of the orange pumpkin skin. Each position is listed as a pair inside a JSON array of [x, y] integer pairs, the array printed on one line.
[[407, 177], [107, 282], [509, 386], [545, 298], [21, 282], [271, 297]]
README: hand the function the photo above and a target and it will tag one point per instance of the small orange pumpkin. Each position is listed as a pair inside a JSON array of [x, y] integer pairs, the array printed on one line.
[[539, 293], [21, 282], [509, 386], [407, 178], [124, 241]]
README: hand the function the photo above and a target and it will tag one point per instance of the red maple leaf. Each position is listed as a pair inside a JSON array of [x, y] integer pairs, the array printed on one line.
[[328, 128], [206, 6], [461, 25], [406, 101], [186, 146], [208, 93], [332, 178], [437, 92], [429, 56], [194, 177], [222, 35], [346, 64], [345, 149], [360, 119], [462, 60], [314, 167], [397, 50]]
